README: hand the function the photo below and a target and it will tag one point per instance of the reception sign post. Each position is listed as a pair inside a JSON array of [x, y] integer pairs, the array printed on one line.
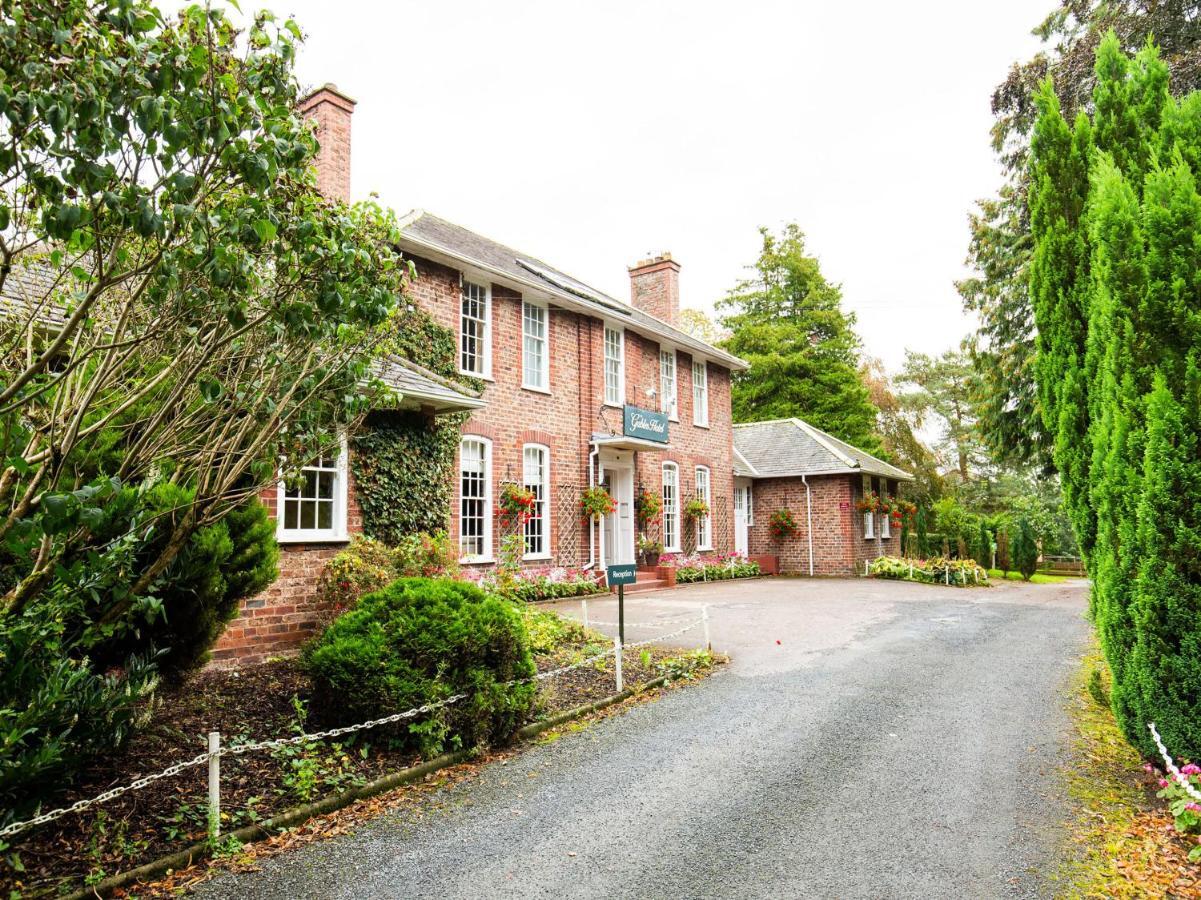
[[621, 575]]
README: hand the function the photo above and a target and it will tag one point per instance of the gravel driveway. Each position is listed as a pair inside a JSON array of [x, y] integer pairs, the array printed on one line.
[[870, 739]]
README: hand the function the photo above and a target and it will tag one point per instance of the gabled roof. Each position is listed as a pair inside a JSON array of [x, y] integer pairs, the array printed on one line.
[[419, 387], [791, 447], [430, 237], [742, 466]]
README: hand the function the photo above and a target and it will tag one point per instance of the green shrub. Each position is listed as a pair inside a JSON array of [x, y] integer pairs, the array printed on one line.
[[422, 640], [366, 565], [221, 565], [1023, 548], [425, 555], [58, 711], [548, 631], [720, 571]]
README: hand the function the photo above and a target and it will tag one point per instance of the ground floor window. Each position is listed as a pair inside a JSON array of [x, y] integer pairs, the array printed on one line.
[[536, 479], [671, 508], [475, 499], [704, 525], [312, 506]]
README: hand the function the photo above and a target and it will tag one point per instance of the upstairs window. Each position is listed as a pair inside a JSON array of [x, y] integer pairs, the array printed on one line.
[[535, 362], [671, 508], [700, 394], [475, 332], [615, 375], [312, 507], [536, 479], [704, 525], [475, 499], [667, 383]]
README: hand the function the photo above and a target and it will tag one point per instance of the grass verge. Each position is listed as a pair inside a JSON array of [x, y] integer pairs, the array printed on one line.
[[1036, 578], [1125, 845]]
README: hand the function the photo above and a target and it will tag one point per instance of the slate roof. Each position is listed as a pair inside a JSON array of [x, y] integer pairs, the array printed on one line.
[[425, 230], [742, 467], [25, 292], [791, 447], [419, 386]]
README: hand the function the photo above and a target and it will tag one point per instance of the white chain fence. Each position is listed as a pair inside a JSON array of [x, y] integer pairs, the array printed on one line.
[[1179, 776], [213, 755]]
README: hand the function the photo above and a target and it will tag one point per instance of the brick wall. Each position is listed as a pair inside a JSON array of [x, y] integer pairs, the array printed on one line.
[[565, 418], [839, 547], [286, 614]]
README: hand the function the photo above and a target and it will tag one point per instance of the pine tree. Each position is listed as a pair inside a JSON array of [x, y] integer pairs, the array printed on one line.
[[787, 321]]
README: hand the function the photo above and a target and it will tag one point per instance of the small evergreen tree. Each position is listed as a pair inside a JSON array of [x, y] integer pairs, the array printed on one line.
[[1023, 547]]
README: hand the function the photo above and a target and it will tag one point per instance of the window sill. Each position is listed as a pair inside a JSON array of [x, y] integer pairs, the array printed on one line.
[[614, 405], [536, 390], [536, 557], [467, 374], [707, 549], [327, 537], [704, 425], [476, 561]]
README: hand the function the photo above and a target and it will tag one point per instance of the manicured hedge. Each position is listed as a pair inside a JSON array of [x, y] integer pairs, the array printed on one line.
[[421, 640]]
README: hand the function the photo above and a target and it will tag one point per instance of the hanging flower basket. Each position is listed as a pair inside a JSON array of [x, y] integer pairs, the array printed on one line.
[[869, 502], [782, 525], [596, 502], [516, 507], [696, 508], [648, 505]]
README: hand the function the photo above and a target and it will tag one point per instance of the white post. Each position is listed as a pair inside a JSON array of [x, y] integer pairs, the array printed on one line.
[[214, 784], [867, 568], [584, 604], [705, 621], [911, 571], [947, 574], [617, 660]]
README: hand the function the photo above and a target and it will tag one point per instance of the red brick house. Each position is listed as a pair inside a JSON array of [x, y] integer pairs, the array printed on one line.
[[789, 464], [580, 388]]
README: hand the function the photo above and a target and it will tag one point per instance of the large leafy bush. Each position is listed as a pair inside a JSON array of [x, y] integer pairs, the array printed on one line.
[[421, 640]]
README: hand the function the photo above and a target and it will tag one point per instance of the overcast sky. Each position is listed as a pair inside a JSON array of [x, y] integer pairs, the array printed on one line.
[[591, 134]]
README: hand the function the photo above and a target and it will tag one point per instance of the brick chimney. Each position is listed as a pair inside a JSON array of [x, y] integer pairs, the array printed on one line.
[[655, 287], [331, 110]]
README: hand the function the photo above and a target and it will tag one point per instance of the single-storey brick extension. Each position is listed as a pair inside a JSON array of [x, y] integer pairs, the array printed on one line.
[[579, 389]]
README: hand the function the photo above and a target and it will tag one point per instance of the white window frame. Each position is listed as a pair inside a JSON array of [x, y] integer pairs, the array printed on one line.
[[700, 394], [869, 525], [485, 351], [671, 508], [543, 503], [704, 526], [885, 526], [339, 530], [532, 311], [749, 493], [669, 384], [617, 396], [486, 555]]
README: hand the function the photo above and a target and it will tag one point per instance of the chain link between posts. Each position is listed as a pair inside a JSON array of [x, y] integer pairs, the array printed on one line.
[[15, 828], [1180, 777]]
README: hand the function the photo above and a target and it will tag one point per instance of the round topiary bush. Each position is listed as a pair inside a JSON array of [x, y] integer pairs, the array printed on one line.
[[417, 641]]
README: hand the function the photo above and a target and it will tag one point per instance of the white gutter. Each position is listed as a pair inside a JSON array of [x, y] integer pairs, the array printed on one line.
[[809, 521]]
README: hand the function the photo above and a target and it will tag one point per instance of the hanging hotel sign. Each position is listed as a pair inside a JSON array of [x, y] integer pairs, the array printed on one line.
[[645, 424]]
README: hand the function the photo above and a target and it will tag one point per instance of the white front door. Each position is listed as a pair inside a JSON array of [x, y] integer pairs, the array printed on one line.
[[741, 531], [619, 527]]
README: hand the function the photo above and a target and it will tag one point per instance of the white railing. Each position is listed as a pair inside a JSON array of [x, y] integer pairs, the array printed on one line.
[[212, 756]]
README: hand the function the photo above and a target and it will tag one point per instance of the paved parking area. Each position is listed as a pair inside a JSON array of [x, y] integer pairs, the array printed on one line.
[[869, 739]]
